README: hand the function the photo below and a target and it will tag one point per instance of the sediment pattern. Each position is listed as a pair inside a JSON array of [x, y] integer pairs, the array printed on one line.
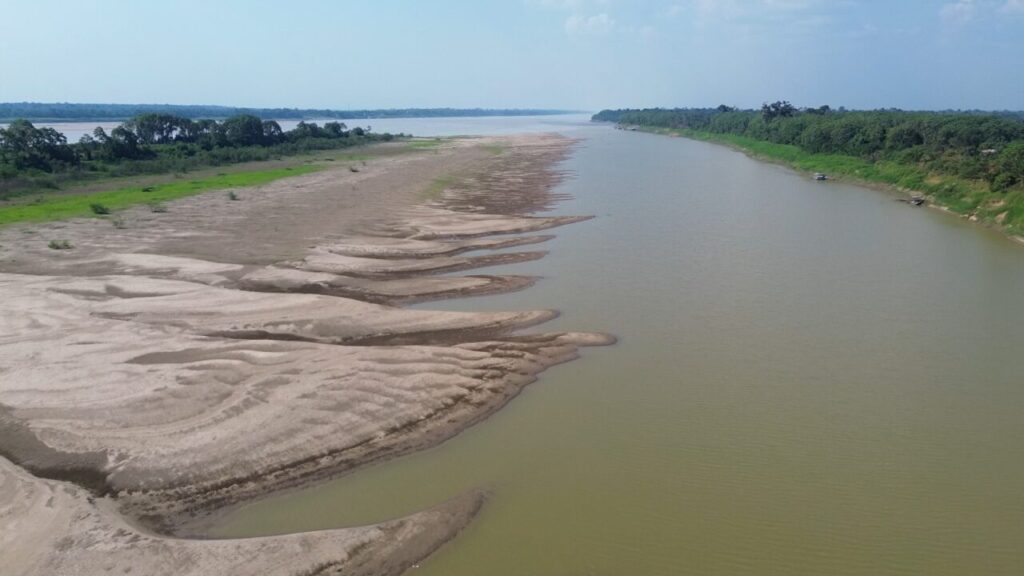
[[58, 528], [165, 371]]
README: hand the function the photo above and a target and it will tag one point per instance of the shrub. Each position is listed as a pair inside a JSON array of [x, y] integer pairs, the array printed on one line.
[[1003, 182]]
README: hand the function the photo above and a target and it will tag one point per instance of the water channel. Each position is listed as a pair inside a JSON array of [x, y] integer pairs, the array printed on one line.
[[812, 378]]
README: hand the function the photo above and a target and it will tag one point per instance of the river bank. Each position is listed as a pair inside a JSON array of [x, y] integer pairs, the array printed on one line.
[[943, 192], [180, 363]]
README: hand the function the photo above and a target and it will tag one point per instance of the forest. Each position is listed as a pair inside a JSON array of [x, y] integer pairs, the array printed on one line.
[[61, 111], [32, 157], [974, 146]]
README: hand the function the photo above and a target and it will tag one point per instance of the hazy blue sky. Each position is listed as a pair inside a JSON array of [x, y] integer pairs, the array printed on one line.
[[583, 54]]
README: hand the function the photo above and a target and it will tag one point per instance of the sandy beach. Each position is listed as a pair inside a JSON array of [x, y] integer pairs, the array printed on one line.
[[182, 363]]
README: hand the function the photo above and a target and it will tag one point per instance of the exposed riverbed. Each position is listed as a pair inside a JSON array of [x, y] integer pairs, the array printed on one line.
[[172, 364], [811, 378]]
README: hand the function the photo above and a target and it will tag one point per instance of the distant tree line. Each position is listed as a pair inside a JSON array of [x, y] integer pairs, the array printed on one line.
[[68, 111], [150, 143], [974, 146]]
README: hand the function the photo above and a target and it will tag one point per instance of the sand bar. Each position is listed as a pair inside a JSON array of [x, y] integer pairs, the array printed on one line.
[[182, 363]]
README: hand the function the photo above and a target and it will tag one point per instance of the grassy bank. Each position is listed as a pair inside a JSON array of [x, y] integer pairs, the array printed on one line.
[[60, 206], [969, 198], [115, 193]]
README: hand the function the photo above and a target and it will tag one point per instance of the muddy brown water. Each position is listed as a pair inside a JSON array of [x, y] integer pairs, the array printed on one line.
[[812, 378]]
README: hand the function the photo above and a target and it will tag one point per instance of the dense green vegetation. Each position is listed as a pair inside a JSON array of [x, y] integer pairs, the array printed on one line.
[[58, 111], [58, 207], [34, 158], [972, 163]]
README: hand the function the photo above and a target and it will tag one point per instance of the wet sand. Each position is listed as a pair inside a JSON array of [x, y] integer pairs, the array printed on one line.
[[182, 363]]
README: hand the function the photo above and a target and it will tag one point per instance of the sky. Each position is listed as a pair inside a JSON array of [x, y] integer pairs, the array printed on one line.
[[567, 54]]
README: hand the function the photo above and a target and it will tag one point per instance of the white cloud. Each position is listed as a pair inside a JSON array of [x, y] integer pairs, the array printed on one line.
[[586, 17], [596, 25], [1013, 7], [733, 9], [788, 4], [570, 5], [646, 33], [865, 31], [964, 11], [719, 8], [748, 18], [560, 4], [959, 12]]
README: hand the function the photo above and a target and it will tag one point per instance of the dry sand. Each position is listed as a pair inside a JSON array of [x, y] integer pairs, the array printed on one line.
[[186, 362]]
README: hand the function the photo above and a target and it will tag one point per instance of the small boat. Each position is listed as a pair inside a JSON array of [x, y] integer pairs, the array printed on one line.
[[917, 200], [820, 176]]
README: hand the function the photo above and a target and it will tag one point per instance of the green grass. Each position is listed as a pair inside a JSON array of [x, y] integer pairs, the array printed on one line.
[[965, 197], [425, 144], [58, 207], [437, 187]]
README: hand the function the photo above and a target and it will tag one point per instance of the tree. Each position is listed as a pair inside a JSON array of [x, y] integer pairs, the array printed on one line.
[[28, 147], [88, 145], [778, 109], [122, 144], [208, 134], [305, 130], [272, 133], [243, 130], [335, 130], [188, 131], [817, 138], [154, 128], [1011, 164], [904, 136]]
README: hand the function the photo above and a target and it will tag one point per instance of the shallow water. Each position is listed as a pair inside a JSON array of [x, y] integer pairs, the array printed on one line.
[[812, 379]]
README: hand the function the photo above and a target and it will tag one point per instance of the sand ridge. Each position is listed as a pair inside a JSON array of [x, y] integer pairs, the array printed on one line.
[[175, 367], [58, 528]]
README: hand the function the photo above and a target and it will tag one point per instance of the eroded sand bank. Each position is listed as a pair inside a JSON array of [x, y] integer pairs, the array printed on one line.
[[185, 362]]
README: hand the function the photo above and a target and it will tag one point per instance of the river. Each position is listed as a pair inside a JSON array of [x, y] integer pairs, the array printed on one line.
[[811, 379]]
